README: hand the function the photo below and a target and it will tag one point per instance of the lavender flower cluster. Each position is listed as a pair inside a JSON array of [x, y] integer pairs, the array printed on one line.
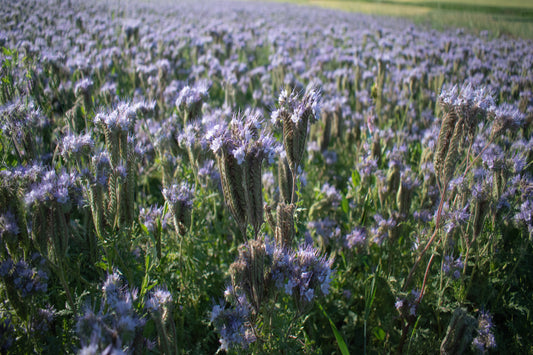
[[52, 187], [232, 323], [485, 336], [302, 274], [182, 194], [153, 215], [115, 326], [243, 136], [25, 279]]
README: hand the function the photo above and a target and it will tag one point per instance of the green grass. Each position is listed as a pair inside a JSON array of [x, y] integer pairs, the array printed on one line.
[[512, 18]]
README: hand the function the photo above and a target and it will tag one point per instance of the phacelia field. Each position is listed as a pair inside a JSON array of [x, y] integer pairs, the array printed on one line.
[[237, 177]]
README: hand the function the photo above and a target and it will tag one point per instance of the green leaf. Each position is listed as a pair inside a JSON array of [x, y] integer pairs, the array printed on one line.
[[340, 340], [143, 227], [102, 265], [379, 333], [356, 178], [345, 205], [6, 51]]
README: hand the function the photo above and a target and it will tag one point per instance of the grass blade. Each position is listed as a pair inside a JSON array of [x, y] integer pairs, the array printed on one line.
[[340, 340]]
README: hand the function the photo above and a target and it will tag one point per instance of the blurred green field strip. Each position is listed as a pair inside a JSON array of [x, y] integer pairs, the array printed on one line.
[[497, 25], [478, 7], [493, 3], [513, 19], [372, 8]]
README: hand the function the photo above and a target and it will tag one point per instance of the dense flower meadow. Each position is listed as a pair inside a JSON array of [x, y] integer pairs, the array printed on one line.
[[243, 178]]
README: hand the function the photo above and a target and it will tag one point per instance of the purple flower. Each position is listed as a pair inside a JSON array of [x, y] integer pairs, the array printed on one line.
[[291, 106], [5, 267], [52, 187], [485, 337], [101, 164], [7, 332], [191, 98], [330, 157], [8, 224], [525, 215], [506, 116], [457, 218], [332, 195], [159, 299], [150, 216], [356, 238], [383, 228], [467, 98], [83, 87], [453, 266], [43, 319], [311, 271], [232, 323], [73, 144], [179, 194], [23, 277], [326, 228], [208, 170], [239, 154], [407, 306], [114, 326], [120, 119], [243, 137]]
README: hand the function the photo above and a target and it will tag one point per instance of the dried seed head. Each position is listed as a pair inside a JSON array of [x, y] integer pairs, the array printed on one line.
[[231, 175], [338, 126], [452, 156], [295, 115], [269, 218], [284, 224], [326, 131], [249, 272], [404, 196], [443, 142], [459, 334], [376, 149], [480, 209], [254, 190], [284, 180], [290, 140], [393, 179]]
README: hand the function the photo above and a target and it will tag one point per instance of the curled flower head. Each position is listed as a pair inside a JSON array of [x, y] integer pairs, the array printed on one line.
[[232, 323], [114, 326], [356, 238], [84, 87], [182, 194], [190, 99], [244, 137], [58, 187], [73, 144], [120, 119], [293, 107], [467, 99], [485, 337], [506, 117], [159, 301], [180, 201], [8, 224], [153, 215]]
